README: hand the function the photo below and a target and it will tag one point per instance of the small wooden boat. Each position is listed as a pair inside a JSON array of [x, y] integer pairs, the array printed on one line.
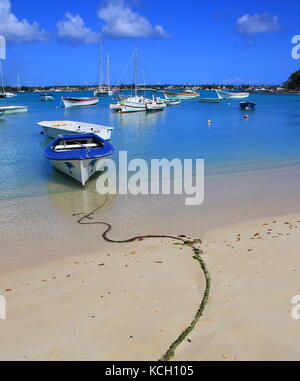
[[79, 102], [172, 102], [232, 95], [185, 95], [247, 105], [79, 156], [13, 109], [47, 97], [59, 127]]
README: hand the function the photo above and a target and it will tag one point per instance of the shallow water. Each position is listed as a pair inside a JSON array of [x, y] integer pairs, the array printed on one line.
[[37, 202], [269, 138]]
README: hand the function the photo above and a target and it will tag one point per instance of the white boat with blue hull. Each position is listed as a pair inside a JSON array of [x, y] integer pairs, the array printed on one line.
[[79, 156], [55, 128]]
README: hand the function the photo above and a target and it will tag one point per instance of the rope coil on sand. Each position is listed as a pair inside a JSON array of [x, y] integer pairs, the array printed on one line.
[[185, 242]]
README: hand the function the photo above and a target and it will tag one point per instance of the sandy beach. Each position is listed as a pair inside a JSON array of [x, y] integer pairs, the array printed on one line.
[[132, 301]]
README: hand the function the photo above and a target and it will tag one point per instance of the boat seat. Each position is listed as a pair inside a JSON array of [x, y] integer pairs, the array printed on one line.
[[74, 146]]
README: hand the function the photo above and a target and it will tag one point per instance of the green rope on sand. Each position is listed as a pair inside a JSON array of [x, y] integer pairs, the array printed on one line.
[[86, 220], [171, 351]]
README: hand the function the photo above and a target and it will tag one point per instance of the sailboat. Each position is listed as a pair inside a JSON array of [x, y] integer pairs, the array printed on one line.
[[4, 94], [135, 103], [102, 90], [19, 88]]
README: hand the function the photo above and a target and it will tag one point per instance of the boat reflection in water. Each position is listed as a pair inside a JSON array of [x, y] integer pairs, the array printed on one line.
[[69, 199]]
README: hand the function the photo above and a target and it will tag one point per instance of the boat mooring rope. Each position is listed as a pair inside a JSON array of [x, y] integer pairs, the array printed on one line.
[[86, 220]]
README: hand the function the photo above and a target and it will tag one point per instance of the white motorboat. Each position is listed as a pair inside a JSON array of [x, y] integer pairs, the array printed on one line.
[[13, 109], [60, 127], [79, 156], [155, 105], [232, 95], [79, 102], [47, 97], [134, 104]]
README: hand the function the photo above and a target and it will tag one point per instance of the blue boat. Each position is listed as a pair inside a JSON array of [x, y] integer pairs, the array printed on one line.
[[247, 105], [79, 155]]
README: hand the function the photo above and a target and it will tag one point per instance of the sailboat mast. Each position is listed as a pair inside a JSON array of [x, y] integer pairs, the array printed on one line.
[[2, 79], [135, 71], [108, 72], [101, 64]]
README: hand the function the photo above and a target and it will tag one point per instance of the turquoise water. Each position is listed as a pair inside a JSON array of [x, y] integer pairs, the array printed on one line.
[[269, 138]]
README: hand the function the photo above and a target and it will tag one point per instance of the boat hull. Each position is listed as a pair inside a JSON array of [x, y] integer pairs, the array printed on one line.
[[47, 98], [73, 102], [155, 107], [133, 107], [247, 105], [115, 107], [79, 170], [210, 100], [60, 128], [181, 96], [13, 109], [229, 95]]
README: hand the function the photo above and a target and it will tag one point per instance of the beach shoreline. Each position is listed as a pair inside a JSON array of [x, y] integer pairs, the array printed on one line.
[[96, 307]]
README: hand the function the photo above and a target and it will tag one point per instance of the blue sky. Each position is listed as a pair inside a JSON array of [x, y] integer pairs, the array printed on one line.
[[179, 42]]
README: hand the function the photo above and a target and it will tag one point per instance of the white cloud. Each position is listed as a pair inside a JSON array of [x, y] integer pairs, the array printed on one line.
[[257, 23], [123, 22], [15, 30], [72, 31]]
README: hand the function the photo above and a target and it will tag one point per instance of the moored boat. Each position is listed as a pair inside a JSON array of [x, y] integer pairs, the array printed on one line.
[[134, 104], [47, 97], [101, 91], [232, 95], [184, 95], [7, 95], [13, 109], [115, 106], [78, 102], [247, 105], [155, 104], [59, 127], [216, 99], [172, 102], [79, 156]]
